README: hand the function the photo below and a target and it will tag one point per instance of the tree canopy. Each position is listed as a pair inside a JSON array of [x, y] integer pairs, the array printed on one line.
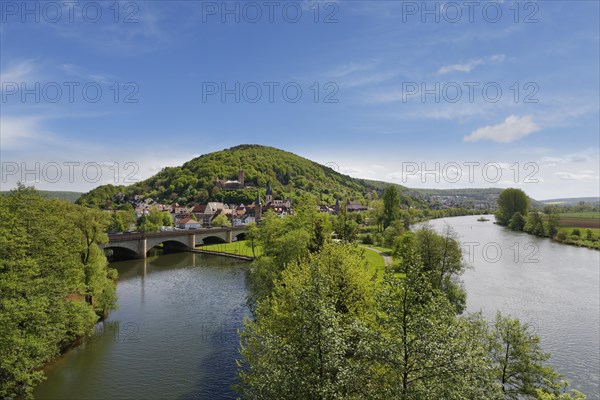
[[511, 201], [54, 283]]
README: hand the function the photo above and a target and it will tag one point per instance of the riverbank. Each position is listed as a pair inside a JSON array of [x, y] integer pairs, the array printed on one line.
[[223, 254]]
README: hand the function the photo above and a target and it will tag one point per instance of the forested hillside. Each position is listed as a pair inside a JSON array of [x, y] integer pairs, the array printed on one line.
[[195, 181]]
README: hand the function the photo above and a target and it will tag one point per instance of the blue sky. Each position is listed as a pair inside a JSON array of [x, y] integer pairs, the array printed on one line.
[[388, 89]]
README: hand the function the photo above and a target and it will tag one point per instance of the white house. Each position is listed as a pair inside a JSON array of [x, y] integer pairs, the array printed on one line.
[[189, 223]]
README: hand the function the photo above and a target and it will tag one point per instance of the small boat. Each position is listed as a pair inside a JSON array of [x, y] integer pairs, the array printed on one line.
[[482, 219]]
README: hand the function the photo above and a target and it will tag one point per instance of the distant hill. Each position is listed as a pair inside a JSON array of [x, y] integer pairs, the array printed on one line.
[[68, 196], [215, 177], [572, 200]]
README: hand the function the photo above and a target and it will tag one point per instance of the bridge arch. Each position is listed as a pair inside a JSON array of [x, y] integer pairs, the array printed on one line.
[[212, 239], [170, 245], [121, 252], [240, 236]]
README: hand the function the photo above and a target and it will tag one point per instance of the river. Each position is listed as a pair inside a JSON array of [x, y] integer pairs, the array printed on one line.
[[174, 335], [554, 288]]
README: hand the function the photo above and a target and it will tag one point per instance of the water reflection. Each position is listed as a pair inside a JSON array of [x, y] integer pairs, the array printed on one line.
[[173, 336]]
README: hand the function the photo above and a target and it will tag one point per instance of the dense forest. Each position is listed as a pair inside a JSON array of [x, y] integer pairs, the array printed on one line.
[[54, 283]]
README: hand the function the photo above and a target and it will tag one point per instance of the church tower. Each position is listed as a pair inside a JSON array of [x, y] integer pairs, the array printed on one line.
[[257, 209], [269, 197], [241, 177]]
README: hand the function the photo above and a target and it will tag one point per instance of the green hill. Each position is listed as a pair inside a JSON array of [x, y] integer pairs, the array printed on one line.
[[196, 180]]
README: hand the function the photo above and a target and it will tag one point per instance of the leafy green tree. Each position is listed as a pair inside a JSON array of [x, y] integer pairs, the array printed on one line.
[[561, 394], [553, 223], [391, 205], [251, 235], [287, 240], [421, 350], [535, 224], [517, 222], [302, 343], [345, 226], [511, 201], [518, 359], [376, 213], [221, 220], [442, 260], [49, 266]]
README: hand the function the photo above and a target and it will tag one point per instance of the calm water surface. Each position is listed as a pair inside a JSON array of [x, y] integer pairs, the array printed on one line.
[[174, 335], [553, 287]]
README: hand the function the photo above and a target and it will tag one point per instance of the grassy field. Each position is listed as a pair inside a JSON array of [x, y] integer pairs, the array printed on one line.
[[375, 261], [240, 248]]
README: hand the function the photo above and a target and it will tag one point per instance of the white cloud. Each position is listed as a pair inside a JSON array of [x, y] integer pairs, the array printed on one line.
[[471, 64], [585, 176], [352, 67], [21, 72], [18, 131], [513, 128]]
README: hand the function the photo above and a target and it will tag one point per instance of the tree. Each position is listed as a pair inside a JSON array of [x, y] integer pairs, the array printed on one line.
[[541, 394], [553, 223], [517, 222], [220, 220], [421, 350], [345, 227], [285, 241], [441, 256], [518, 359], [251, 235], [391, 205], [534, 224], [49, 266], [302, 342], [511, 201], [376, 213]]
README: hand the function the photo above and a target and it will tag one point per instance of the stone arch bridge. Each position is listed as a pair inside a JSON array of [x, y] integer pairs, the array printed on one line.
[[137, 245]]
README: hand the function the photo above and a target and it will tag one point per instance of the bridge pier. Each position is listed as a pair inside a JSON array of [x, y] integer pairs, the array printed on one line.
[[192, 241], [142, 248], [229, 236]]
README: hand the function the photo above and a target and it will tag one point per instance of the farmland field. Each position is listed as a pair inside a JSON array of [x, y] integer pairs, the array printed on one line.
[[580, 220]]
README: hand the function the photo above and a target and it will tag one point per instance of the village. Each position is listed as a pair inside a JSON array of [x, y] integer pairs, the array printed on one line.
[[204, 215]]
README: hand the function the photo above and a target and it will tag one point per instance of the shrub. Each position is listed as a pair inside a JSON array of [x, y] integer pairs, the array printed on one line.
[[562, 235]]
